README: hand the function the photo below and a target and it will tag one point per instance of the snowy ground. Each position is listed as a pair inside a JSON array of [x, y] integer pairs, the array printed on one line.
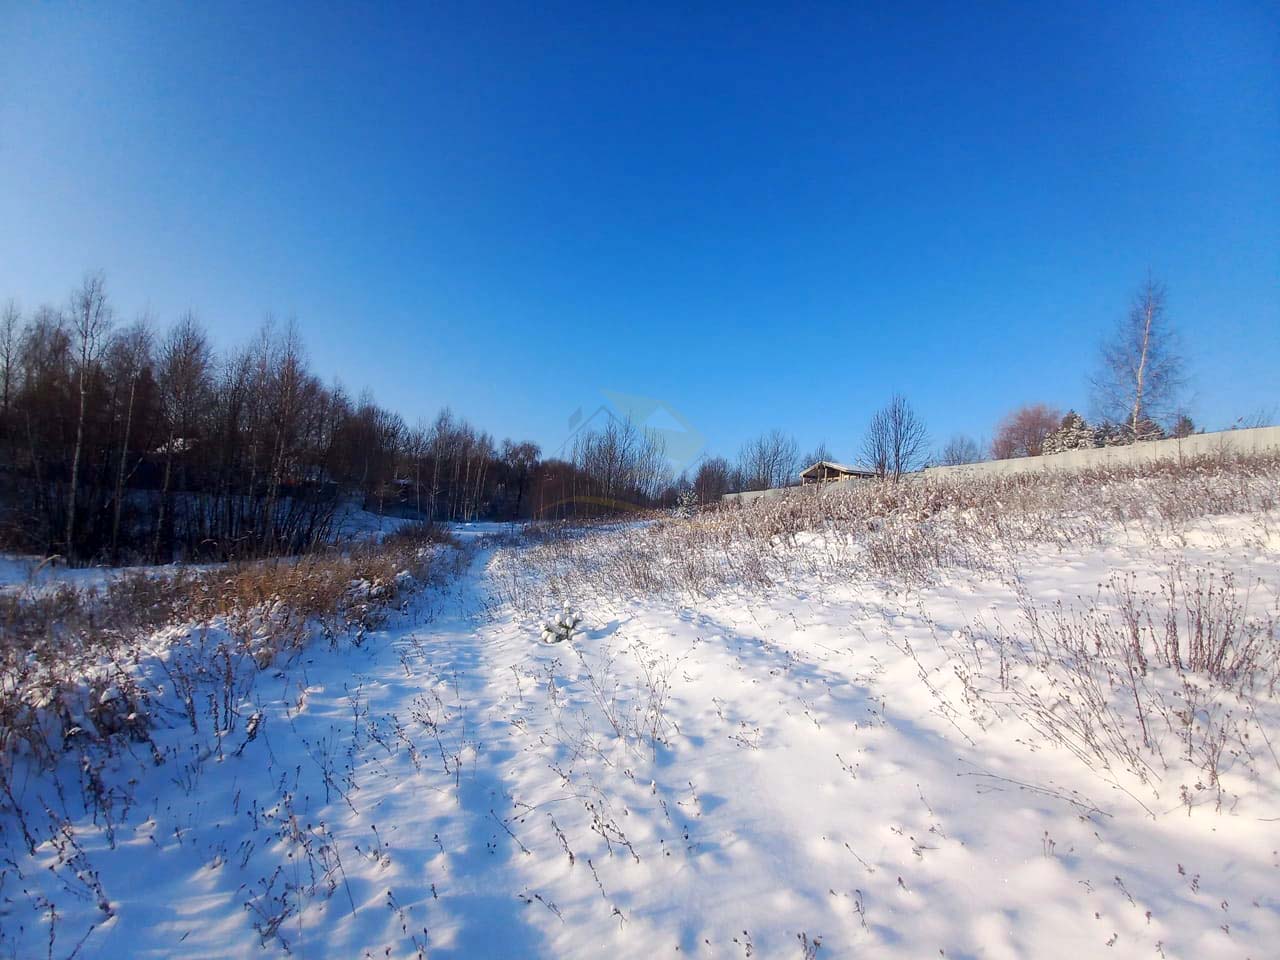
[[353, 522], [27, 572], [766, 773]]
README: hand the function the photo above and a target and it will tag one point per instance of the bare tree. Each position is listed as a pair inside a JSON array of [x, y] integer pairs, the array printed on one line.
[[818, 453], [9, 318], [520, 460], [768, 461], [712, 479], [1262, 417], [416, 445], [131, 353], [90, 319], [960, 449], [1140, 376], [44, 362], [183, 378], [1022, 432], [896, 439]]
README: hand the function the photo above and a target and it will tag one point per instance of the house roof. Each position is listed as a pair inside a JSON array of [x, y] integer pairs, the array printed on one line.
[[838, 468]]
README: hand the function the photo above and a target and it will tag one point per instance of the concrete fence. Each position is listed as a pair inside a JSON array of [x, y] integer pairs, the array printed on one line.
[[748, 495], [1256, 440]]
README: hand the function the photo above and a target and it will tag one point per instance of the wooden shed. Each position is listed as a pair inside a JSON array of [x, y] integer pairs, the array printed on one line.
[[827, 471]]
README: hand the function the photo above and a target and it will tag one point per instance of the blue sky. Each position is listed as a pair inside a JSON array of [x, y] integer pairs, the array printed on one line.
[[761, 215]]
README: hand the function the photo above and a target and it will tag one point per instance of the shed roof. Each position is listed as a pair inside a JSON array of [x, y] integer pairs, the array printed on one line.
[[838, 468]]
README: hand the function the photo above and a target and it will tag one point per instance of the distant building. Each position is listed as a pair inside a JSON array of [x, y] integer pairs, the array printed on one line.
[[827, 471]]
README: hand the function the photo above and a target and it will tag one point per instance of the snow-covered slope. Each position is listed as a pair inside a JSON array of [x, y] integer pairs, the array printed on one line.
[[825, 766]]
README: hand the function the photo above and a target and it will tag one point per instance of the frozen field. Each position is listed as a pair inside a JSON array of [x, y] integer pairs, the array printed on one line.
[[821, 741]]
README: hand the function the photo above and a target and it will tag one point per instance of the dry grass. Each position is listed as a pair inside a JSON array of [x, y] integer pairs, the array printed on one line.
[[904, 532], [1174, 684], [97, 684], [69, 656]]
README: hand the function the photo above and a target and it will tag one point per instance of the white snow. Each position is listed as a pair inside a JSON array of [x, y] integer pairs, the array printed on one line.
[[28, 572], [783, 772]]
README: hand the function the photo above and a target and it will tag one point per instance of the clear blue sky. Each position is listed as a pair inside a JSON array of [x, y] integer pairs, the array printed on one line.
[[764, 216]]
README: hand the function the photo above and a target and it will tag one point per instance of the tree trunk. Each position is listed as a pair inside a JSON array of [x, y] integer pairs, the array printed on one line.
[[435, 482], [1148, 311], [75, 469], [124, 455], [164, 497], [277, 476]]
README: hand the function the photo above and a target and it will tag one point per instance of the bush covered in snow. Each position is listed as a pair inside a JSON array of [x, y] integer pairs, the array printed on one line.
[[563, 627], [686, 503]]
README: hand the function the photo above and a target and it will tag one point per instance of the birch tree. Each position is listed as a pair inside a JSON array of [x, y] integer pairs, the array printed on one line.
[[132, 353], [90, 319], [1140, 375]]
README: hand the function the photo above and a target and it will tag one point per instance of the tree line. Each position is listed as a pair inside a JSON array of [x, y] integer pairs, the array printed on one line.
[[124, 442], [1137, 395]]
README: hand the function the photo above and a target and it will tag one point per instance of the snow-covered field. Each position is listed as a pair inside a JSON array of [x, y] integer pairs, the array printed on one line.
[[829, 761]]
